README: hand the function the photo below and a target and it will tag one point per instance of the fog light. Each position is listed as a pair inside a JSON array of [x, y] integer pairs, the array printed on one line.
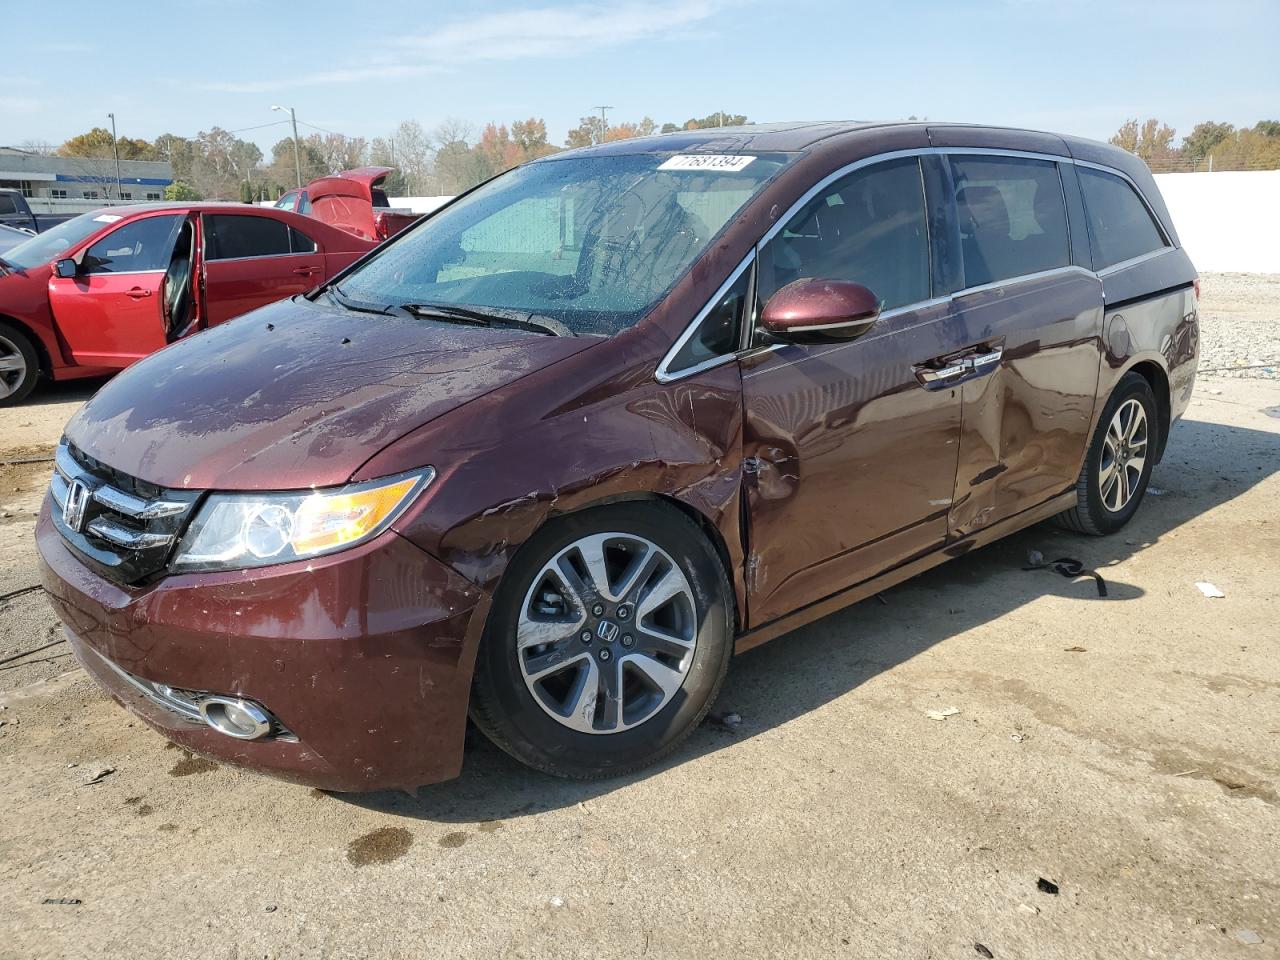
[[236, 718]]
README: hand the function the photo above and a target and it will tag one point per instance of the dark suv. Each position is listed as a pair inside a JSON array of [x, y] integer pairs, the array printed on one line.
[[556, 452]]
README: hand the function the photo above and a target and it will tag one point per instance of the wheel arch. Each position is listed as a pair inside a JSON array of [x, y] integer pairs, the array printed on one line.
[[37, 341], [1158, 380]]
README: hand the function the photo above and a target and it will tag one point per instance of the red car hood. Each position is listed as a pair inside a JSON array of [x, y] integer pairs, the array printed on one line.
[[296, 395]]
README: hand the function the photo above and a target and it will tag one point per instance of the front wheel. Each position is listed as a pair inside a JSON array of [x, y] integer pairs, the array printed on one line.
[[1118, 466], [607, 641], [19, 365]]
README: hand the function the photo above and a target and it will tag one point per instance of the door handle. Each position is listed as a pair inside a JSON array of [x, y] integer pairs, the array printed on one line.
[[934, 374], [137, 293], [304, 271], [980, 361]]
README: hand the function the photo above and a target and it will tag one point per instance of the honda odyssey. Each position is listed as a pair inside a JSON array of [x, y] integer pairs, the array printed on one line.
[[552, 455]]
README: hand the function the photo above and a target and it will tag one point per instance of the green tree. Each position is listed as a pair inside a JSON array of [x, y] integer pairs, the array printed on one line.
[[180, 191], [1268, 128], [720, 119], [1203, 138]]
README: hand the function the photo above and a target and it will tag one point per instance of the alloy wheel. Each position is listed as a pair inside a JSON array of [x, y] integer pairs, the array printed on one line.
[[1124, 455], [13, 367], [606, 633]]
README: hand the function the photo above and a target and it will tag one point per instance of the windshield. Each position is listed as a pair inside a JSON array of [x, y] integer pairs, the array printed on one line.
[[51, 244], [592, 242]]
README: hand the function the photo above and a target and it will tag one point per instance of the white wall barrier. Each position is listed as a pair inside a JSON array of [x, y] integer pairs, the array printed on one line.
[[1226, 221]]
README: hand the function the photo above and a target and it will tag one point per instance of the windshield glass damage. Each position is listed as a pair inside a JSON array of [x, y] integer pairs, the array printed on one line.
[[590, 243]]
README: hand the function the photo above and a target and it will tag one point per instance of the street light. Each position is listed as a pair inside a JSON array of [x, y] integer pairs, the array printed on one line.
[[297, 162], [116, 150]]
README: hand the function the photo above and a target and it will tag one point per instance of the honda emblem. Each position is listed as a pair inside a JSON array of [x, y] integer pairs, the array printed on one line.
[[77, 500]]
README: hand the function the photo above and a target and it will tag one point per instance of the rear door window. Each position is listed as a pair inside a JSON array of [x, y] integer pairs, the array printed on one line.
[[869, 227], [1120, 225], [236, 237], [8, 204], [299, 242], [136, 247], [1012, 216]]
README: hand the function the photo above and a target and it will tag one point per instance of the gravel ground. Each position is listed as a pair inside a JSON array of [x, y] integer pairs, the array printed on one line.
[[1121, 750], [1240, 325]]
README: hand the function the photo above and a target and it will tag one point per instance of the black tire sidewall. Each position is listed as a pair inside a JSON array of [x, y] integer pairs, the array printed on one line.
[[506, 710], [1132, 386], [28, 350]]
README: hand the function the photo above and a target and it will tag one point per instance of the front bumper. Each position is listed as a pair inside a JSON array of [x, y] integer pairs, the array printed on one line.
[[365, 656]]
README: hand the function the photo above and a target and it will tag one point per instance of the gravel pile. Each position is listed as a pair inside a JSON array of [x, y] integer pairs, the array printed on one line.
[[1240, 325]]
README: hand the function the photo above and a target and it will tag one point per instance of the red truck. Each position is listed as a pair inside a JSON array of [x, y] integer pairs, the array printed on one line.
[[94, 294], [353, 201]]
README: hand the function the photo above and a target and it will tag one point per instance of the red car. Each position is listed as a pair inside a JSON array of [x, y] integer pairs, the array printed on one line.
[[99, 292]]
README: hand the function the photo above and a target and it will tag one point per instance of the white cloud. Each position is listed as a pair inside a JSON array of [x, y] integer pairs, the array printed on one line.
[[519, 35]]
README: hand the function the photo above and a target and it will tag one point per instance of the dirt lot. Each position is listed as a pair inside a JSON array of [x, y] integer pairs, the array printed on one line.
[[1124, 749]]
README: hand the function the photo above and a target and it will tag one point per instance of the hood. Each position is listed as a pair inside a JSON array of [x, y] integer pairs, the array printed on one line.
[[296, 395]]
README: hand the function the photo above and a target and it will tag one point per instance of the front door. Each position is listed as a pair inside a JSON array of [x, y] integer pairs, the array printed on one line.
[[251, 260], [1034, 321], [112, 312], [851, 446]]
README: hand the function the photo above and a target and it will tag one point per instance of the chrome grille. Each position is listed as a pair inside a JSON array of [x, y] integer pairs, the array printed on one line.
[[125, 526]]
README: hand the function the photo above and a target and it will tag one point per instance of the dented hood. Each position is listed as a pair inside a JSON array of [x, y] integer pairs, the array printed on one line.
[[296, 395]]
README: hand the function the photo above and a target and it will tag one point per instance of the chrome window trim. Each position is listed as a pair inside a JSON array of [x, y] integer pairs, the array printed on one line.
[[265, 256], [664, 374]]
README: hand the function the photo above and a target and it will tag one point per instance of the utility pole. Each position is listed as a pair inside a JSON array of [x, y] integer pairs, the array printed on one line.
[[297, 161], [116, 151], [604, 124]]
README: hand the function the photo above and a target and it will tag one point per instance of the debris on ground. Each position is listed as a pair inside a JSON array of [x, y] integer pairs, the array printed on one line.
[[728, 722], [1028, 909], [1068, 567], [983, 950], [1209, 590], [942, 714], [62, 901], [98, 774], [271, 908], [1019, 737], [1155, 491], [556, 902], [1047, 886], [1247, 936], [1074, 650]]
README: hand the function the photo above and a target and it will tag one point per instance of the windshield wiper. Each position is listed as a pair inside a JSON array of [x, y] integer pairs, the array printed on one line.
[[361, 306], [520, 320]]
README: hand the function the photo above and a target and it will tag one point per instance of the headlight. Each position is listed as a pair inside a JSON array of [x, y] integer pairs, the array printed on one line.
[[237, 530]]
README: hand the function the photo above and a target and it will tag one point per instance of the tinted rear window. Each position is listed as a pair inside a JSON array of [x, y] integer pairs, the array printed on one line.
[[1012, 217], [7, 204], [232, 236], [1120, 225]]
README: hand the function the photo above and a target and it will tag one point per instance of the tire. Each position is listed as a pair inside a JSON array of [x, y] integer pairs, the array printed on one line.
[[1101, 506], [19, 365], [547, 704]]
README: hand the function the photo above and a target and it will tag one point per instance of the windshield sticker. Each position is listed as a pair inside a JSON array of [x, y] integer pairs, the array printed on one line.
[[706, 161], [106, 218]]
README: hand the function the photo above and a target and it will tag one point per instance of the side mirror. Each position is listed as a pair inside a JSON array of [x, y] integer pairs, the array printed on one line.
[[821, 309], [65, 269]]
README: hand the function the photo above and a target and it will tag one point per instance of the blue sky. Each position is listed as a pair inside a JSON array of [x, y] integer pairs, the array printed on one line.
[[360, 68]]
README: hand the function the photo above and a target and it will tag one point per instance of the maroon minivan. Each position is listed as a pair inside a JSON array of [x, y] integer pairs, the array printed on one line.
[[552, 455]]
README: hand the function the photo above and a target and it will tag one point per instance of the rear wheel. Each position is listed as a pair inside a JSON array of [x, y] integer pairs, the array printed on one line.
[[607, 642], [19, 365], [1118, 466]]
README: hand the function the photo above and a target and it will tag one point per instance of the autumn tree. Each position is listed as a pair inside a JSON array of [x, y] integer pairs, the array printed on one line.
[[591, 130], [96, 144], [1151, 140]]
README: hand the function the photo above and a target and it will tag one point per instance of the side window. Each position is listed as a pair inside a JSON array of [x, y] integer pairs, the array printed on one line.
[[136, 246], [718, 332], [8, 204], [869, 227], [235, 236], [1013, 220], [299, 242], [1120, 225]]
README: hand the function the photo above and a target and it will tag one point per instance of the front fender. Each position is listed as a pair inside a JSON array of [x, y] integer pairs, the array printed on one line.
[[511, 461]]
